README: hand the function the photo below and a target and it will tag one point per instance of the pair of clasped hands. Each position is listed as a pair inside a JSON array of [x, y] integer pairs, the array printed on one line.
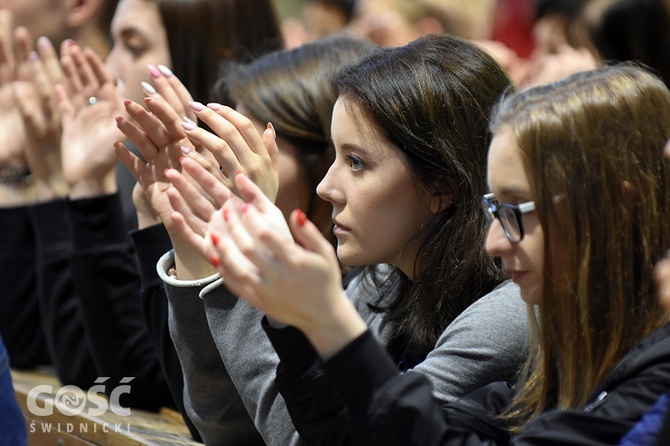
[[214, 192]]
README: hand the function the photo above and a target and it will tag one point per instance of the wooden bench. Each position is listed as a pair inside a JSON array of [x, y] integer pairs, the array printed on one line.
[[59, 424]]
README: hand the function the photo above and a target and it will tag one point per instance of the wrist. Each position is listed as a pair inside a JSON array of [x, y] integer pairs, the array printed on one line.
[[17, 194], [189, 264], [146, 219], [92, 187], [336, 327], [49, 189]]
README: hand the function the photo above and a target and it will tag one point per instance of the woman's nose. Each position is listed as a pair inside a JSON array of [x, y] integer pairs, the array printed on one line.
[[326, 188], [497, 243]]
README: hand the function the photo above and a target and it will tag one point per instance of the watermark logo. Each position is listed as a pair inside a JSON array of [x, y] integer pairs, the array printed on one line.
[[72, 400]]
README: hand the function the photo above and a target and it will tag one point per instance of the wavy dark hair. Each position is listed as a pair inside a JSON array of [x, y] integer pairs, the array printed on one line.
[[432, 99]]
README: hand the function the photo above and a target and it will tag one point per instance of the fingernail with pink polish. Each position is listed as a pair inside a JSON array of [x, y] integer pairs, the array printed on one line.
[[165, 70], [154, 71], [214, 106], [272, 127], [43, 42], [185, 150], [188, 125], [197, 106], [33, 56], [148, 88]]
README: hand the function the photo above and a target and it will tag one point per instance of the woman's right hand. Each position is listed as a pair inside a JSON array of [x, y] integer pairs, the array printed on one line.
[[237, 146]]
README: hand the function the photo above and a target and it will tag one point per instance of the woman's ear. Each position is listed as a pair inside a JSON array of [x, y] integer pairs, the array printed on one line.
[[441, 198]]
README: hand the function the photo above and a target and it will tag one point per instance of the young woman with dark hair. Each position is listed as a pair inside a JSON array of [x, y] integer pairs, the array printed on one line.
[[579, 214], [410, 131]]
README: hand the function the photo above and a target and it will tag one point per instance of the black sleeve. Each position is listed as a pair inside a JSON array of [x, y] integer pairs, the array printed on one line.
[[20, 320], [58, 302], [387, 408], [316, 410], [150, 244], [107, 281]]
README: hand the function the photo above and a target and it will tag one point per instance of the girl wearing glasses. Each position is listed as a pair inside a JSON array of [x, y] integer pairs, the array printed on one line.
[[586, 153], [405, 187]]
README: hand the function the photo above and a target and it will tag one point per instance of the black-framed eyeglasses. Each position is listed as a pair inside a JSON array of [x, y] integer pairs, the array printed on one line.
[[509, 215]]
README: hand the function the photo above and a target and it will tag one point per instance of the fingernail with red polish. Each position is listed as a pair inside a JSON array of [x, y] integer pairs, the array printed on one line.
[[215, 261], [154, 71], [215, 239], [245, 207], [226, 214], [301, 217]]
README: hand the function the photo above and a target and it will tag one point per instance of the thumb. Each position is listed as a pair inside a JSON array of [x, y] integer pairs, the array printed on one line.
[[308, 235], [251, 193]]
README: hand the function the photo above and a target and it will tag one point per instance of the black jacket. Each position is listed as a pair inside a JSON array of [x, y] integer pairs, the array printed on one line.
[[386, 408]]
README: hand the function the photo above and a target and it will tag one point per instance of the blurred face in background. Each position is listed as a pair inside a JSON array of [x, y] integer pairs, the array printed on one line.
[[140, 39], [41, 17]]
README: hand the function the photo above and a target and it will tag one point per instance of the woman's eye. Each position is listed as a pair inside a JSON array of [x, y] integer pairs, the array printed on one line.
[[354, 163], [135, 48]]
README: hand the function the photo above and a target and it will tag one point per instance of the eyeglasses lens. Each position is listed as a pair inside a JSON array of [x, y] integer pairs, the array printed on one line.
[[510, 223]]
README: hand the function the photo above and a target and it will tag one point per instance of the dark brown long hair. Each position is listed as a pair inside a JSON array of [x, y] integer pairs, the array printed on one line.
[[432, 99]]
